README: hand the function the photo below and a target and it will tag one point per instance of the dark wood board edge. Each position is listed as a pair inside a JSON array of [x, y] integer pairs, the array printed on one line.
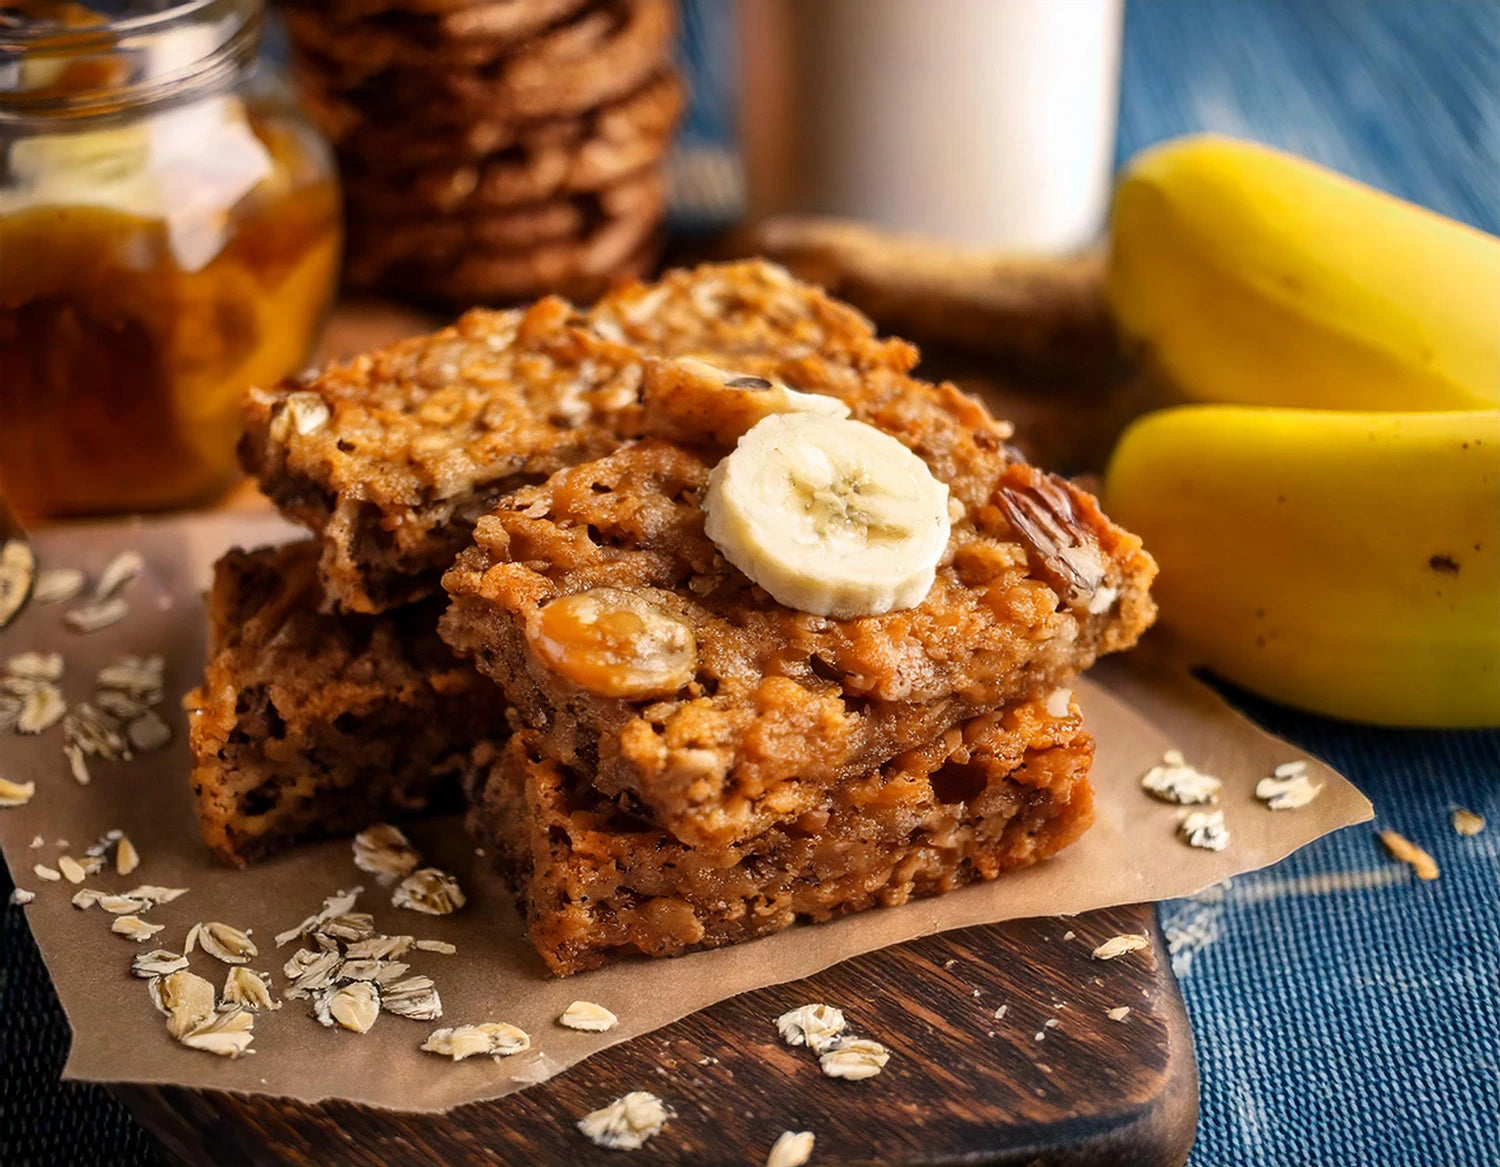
[[1120, 1092]]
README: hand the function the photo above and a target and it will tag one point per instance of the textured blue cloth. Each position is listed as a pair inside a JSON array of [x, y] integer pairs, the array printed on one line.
[[1344, 1012]]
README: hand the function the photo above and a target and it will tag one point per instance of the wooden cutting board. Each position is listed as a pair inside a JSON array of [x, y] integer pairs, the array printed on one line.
[[961, 1087]]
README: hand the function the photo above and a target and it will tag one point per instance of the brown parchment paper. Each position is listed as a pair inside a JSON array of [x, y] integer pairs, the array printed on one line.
[[1131, 855]]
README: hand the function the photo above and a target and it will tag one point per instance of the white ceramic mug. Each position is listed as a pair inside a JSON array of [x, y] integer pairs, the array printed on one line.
[[988, 123]]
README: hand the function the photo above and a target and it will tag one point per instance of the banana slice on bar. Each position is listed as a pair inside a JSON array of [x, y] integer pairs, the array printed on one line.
[[829, 515], [695, 402]]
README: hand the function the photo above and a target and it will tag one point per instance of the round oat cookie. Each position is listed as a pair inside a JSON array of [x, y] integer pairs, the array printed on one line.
[[361, 45], [608, 51], [609, 141], [577, 268], [374, 244]]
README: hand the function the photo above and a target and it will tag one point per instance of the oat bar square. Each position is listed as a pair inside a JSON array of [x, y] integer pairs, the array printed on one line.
[[597, 884], [312, 723]]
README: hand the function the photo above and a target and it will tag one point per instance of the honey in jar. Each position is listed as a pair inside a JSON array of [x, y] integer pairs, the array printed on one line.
[[169, 236]]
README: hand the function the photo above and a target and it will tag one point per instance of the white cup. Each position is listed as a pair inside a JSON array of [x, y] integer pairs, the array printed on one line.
[[988, 123]]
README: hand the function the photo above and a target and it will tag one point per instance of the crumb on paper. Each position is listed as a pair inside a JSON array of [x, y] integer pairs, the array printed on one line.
[[627, 1122], [429, 891], [853, 1058], [1467, 822], [1205, 830], [1068, 935], [1118, 1013], [494, 1038], [1001, 1012], [1173, 780], [1117, 946], [815, 1026], [791, 1149], [385, 852], [588, 1016], [1403, 849], [20, 897], [1288, 787]]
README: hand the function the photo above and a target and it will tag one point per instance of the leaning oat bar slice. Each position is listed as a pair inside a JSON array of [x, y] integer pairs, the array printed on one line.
[[692, 698], [312, 723], [391, 457], [596, 884]]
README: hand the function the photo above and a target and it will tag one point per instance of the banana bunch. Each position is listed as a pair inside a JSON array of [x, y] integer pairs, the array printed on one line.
[[1321, 552], [1249, 276]]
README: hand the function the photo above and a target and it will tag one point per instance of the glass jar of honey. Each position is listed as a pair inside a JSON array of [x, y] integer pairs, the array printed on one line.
[[169, 236]]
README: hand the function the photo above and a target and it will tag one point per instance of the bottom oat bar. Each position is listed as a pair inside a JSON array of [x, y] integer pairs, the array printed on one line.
[[313, 723], [596, 883]]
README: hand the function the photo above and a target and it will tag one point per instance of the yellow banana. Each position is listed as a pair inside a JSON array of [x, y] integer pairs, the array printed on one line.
[[1346, 563], [1253, 277]]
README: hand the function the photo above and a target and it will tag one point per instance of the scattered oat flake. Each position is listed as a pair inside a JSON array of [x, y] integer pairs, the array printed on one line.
[[36, 666], [42, 709], [1173, 780], [1288, 787], [378, 947], [430, 891], [56, 584], [227, 1034], [1118, 1013], [495, 1038], [117, 573], [791, 1149], [416, 997], [134, 928], [1206, 830], [159, 962], [1466, 822], [338, 904], [126, 905], [815, 1026], [627, 1122], [77, 765], [16, 793], [93, 616], [73, 871], [248, 989], [355, 1007], [20, 897], [1120, 945], [588, 1016], [1409, 853], [222, 942], [385, 852], [42, 871], [37, 842], [127, 858], [854, 1058], [148, 732], [86, 897], [440, 946], [186, 998], [155, 894]]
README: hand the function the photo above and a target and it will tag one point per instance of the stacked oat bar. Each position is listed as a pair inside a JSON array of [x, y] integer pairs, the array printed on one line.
[[695, 760]]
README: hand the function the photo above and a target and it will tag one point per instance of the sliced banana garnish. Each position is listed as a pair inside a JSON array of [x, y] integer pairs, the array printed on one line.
[[692, 401], [830, 516]]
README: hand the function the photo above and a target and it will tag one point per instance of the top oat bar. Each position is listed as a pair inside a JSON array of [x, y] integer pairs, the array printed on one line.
[[712, 711], [391, 457]]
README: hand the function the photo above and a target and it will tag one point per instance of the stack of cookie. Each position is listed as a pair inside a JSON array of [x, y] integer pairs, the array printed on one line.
[[493, 150]]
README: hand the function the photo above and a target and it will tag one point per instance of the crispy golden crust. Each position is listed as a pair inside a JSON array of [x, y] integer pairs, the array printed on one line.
[[597, 884], [310, 723], [782, 704]]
